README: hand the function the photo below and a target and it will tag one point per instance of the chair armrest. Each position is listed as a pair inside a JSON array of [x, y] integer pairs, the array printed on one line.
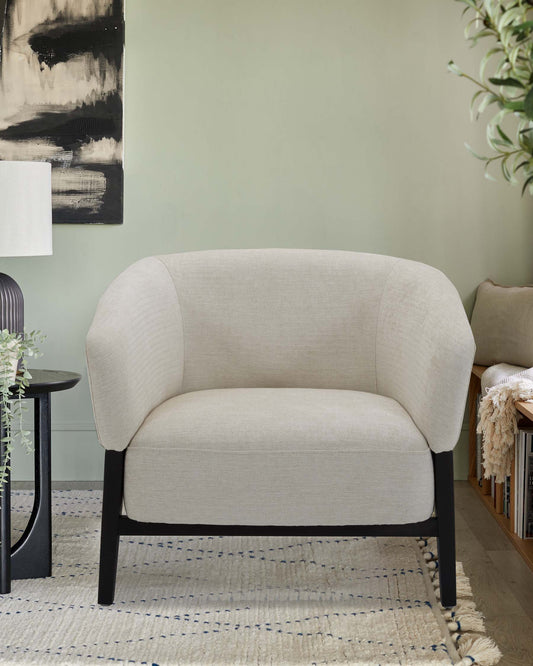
[[134, 351], [425, 350]]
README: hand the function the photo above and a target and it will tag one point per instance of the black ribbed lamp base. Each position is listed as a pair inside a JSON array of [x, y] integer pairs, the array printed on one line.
[[11, 305]]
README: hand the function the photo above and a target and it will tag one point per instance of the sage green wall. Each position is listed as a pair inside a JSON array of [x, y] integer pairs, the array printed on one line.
[[288, 123]]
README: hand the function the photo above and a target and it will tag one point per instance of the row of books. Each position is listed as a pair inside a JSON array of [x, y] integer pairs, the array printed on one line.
[[523, 483], [523, 471]]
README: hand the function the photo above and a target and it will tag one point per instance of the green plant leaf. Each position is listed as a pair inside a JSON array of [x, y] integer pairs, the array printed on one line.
[[528, 104], [486, 59], [452, 67], [528, 181], [471, 4], [479, 35], [505, 170], [520, 166], [472, 152], [527, 26], [509, 82], [489, 99], [473, 114], [509, 15], [504, 136], [472, 23], [514, 105], [496, 144]]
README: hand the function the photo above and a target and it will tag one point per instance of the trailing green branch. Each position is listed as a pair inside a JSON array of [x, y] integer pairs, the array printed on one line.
[[508, 24], [14, 379]]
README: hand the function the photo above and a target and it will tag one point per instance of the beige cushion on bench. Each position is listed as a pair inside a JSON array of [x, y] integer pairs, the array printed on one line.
[[279, 456]]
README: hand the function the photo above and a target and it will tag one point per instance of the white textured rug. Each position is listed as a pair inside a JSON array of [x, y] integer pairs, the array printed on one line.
[[232, 600]]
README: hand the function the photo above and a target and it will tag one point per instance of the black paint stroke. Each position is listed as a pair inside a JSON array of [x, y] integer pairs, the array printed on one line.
[[3, 26], [111, 210], [54, 43], [69, 129]]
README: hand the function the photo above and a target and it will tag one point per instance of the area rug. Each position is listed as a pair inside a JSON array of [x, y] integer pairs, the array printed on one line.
[[235, 601]]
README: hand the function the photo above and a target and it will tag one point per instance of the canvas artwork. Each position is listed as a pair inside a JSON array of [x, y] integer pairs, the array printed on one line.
[[61, 82]]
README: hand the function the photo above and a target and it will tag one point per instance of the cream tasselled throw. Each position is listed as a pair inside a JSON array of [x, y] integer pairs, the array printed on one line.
[[503, 386]]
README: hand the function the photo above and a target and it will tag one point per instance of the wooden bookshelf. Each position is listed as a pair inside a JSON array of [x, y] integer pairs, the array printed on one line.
[[483, 490]]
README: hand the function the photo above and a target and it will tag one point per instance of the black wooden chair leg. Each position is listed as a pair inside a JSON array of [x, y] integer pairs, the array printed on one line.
[[110, 536], [443, 463]]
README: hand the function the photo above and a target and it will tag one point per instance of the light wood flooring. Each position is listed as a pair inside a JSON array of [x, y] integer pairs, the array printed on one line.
[[501, 581]]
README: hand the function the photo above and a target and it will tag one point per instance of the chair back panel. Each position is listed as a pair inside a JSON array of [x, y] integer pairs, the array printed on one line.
[[279, 318]]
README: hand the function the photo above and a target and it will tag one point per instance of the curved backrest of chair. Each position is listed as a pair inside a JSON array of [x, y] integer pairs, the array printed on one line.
[[281, 318]]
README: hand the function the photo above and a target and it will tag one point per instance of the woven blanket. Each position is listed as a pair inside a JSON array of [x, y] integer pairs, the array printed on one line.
[[502, 386]]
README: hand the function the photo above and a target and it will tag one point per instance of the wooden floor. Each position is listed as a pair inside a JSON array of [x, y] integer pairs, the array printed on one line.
[[501, 581]]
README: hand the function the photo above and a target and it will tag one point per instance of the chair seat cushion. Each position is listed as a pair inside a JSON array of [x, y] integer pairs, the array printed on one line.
[[279, 456]]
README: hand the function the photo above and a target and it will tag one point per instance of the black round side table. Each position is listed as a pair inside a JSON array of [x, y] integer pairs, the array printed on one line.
[[31, 556]]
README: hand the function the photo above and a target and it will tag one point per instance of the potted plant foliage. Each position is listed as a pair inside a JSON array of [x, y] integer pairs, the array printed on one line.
[[505, 83], [15, 349]]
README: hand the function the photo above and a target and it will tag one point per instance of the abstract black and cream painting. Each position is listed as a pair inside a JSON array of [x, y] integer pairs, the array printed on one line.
[[61, 82]]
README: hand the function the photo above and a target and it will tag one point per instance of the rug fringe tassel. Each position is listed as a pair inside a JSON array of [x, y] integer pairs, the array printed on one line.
[[481, 650], [465, 623], [466, 620]]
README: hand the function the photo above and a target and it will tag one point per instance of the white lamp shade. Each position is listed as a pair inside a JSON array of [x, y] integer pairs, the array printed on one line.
[[25, 209]]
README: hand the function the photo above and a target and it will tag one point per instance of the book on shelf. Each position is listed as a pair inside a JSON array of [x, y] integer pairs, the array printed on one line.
[[507, 497], [523, 470], [479, 449]]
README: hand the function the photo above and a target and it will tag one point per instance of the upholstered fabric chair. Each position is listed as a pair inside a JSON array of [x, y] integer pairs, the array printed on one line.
[[279, 392]]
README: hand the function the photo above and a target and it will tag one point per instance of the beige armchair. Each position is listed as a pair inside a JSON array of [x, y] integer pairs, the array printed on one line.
[[280, 392]]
